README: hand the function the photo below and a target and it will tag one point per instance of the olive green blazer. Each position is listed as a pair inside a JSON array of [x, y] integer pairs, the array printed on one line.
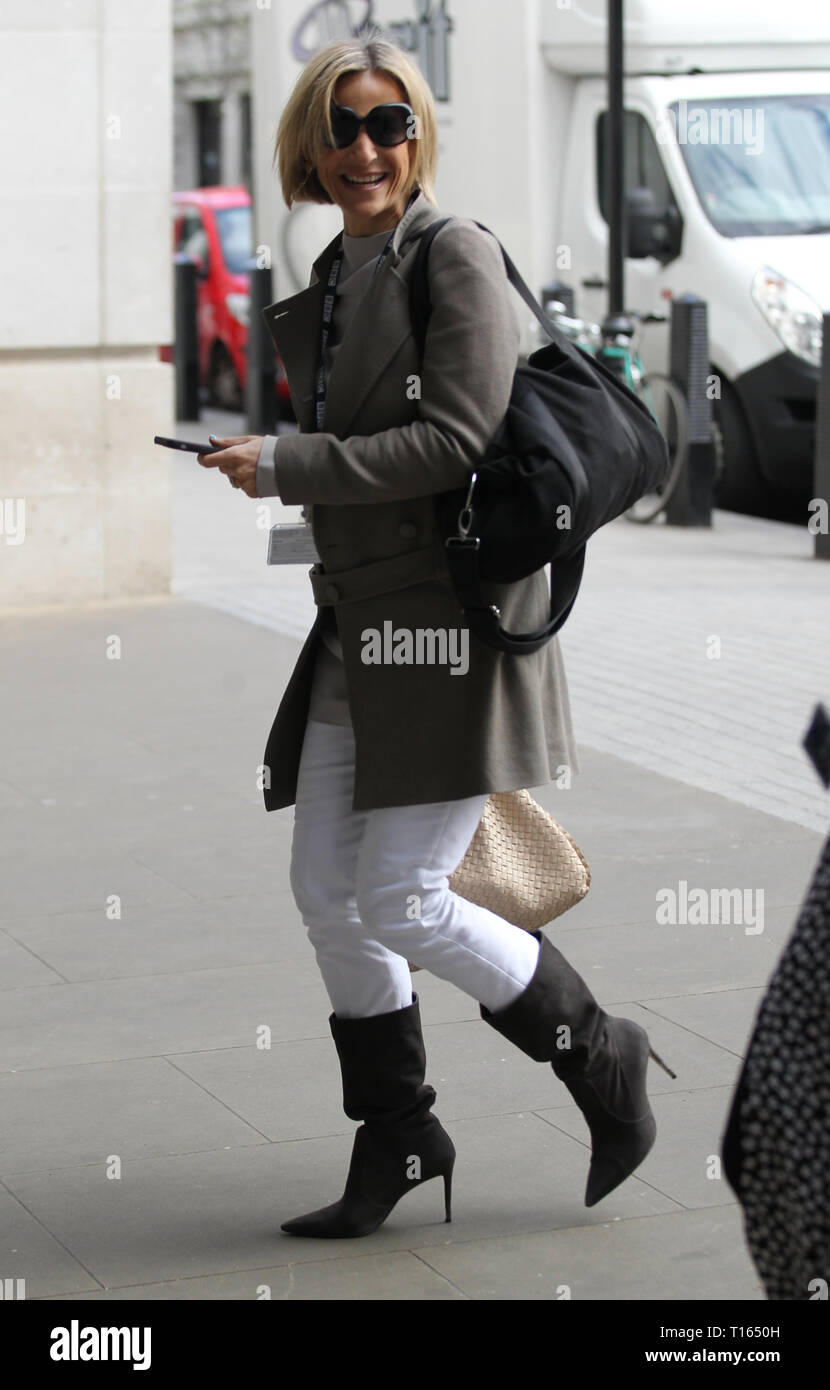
[[397, 431]]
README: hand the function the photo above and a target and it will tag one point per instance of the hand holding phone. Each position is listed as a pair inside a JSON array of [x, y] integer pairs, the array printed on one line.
[[239, 464]]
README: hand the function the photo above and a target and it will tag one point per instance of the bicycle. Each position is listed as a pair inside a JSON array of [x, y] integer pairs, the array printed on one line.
[[614, 344]]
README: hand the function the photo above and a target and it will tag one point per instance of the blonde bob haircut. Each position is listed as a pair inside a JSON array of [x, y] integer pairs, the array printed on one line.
[[305, 124]]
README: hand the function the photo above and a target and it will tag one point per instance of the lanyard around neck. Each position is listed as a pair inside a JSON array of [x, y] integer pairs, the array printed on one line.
[[328, 314]]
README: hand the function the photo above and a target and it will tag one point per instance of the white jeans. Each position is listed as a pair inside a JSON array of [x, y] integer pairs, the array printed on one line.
[[372, 889]]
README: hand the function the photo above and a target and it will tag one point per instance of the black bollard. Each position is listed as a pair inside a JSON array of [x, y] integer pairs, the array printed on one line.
[[691, 503], [821, 466], [186, 346], [261, 403]]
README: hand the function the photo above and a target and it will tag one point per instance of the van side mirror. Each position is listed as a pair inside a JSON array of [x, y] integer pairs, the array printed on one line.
[[652, 231]]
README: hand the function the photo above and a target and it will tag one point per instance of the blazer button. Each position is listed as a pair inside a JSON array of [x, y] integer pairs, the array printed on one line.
[[332, 592], [408, 530]]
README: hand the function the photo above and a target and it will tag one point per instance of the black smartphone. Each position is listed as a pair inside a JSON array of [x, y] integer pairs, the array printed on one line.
[[188, 445]]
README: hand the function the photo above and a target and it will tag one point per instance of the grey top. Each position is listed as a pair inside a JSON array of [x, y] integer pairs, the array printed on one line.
[[360, 256]]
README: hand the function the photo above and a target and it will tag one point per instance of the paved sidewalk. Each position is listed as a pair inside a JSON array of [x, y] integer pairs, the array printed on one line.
[[152, 1145]]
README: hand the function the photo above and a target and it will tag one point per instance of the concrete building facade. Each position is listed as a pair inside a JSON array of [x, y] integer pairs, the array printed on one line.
[[85, 284], [212, 92]]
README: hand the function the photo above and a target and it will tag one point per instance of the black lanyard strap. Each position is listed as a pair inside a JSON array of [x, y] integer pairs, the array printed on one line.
[[329, 299]]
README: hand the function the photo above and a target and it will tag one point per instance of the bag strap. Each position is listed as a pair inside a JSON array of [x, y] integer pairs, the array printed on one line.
[[462, 552], [485, 618], [421, 302]]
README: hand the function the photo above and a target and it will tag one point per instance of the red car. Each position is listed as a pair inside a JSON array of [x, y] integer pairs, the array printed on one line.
[[214, 226]]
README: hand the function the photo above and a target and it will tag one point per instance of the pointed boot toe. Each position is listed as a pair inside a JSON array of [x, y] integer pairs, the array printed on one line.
[[339, 1221], [612, 1097], [314, 1223], [607, 1171]]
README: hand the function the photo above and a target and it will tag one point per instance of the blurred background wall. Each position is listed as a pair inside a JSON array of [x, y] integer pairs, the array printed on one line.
[[85, 298]]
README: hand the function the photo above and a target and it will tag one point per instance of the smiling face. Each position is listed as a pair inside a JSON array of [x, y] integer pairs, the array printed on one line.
[[367, 181]]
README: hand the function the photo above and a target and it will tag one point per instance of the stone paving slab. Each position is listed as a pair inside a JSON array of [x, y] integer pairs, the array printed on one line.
[[363, 1278], [725, 1017], [206, 934], [731, 722], [135, 1109], [29, 1251], [698, 1255], [19, 967], [80, 881], [637, 960], [633, 801], [110, 1020], [685, 1163]]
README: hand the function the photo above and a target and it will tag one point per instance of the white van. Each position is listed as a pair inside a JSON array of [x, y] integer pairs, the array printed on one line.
[[728, 130]]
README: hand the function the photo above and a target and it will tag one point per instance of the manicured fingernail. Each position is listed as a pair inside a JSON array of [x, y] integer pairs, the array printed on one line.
[[211, 437]]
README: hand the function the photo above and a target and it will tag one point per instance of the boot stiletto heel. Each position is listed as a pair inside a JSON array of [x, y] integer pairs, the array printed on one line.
[[448, 1167], [661, 1063]]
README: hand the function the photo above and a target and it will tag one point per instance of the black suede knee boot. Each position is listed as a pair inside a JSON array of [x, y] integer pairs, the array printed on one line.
[[601, 1059], [400, 1144]]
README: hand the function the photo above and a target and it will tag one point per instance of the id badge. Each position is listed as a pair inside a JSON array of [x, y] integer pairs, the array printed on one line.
[[292, 544]]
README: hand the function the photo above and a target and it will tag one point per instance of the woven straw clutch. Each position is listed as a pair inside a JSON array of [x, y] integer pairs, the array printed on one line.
[[521, 863]]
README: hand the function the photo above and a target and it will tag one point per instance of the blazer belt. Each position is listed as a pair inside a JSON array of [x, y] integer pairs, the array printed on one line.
[[379, 577]]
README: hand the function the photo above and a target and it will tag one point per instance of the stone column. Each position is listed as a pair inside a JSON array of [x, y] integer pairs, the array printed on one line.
[[231, 160], [86, 290]]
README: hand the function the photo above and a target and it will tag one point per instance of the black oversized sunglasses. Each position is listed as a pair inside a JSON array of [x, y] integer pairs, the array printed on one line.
[[386, 125]]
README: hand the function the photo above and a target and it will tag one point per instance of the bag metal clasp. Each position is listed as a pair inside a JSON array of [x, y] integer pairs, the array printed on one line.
[[465, 516]]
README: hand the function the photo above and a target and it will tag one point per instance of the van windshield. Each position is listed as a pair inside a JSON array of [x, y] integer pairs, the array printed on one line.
[[760, 166], [236, 235]]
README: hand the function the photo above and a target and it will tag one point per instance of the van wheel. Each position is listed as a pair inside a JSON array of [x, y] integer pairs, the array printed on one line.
[[223, 383], [738, 484]]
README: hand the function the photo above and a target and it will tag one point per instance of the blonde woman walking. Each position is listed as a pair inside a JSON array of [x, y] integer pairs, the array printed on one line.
[[388, 761]]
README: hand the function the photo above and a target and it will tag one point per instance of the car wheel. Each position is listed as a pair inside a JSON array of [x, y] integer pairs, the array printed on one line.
[[223, 383], [738, 483]]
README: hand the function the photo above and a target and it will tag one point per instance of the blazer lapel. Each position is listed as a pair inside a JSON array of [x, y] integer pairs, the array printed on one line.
[[379, 326], [294, 325]]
